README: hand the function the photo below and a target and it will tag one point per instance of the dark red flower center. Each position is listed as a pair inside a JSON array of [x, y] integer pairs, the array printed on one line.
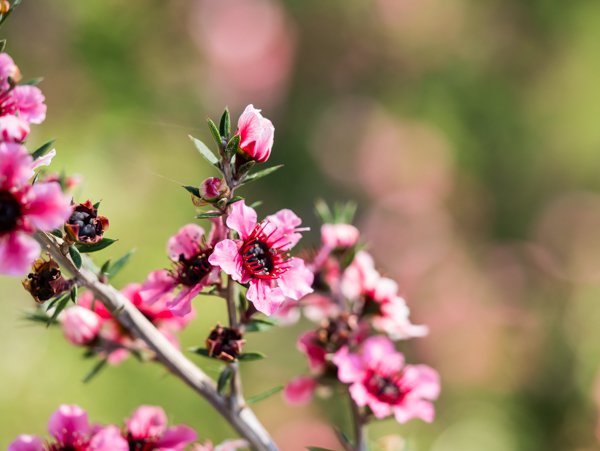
[[263, 256], [192, 271], [387, 389], [10, 211], [140, 444]]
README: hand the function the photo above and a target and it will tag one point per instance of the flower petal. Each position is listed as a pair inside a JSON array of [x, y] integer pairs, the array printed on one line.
[[242, 219], [17, 253], [147, 422], [297, 281], [26, 443], [185, 242], [227, 257], [265, 298], [46, 206]]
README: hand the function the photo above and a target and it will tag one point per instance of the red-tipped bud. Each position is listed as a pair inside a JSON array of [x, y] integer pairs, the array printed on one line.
[[80, 325]]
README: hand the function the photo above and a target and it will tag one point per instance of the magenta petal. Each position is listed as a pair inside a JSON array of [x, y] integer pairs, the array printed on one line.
[[424, 380], [287, 222], [265, 298], [157, 284], [44, 160], [242, 219], [226, 256], [299, 390], [297, 281], [176, 438], [377, 350], [186, 241], [13, 128], [47, 207], [350, 366], [26, 443], [147, 422], [15, 165], [359, 394], [108, 439], [181, 305], [17, 253], [69, 425], [29, 101]]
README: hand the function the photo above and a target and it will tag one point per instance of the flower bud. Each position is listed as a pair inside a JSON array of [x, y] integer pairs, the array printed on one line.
[[85, 225], [334, 236], [4, 6], [212, 189], [256, 135], [80, 325], [225, 343], [45, 281]]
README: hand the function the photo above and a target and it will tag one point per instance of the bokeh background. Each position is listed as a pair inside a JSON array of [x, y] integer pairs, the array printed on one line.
[[467, 131]]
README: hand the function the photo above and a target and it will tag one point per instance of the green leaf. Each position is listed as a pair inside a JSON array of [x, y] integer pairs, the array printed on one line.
[[201, 351], [205, 151], [57, 233], [261, 174], [33, 81], [97, 205], [99, 366], [73, 294], [209, 214], [259, 325], [39, 316], [60, 306], [251, 356], [232, 146], [192, 189], [118, 265], [244, 168], [258, 203], [102, 244], [225, 124], [264, 395], [214, 131], [41, 151], [75, 256], [224, 378], [2, 45], [323, 211]]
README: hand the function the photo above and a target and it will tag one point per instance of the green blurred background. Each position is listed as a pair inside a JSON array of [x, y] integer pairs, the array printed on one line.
[[467, 131]]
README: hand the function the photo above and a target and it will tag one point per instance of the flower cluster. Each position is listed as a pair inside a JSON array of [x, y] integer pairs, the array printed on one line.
[[91, 325], [24, 206], [353, 304], [146, 429]]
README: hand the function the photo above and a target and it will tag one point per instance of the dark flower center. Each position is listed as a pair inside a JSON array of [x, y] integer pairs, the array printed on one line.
[[41, 286], [385, 388], [89, 225], [257, 258], [193, 270], [225, 343], [10, 212], [140, 444]]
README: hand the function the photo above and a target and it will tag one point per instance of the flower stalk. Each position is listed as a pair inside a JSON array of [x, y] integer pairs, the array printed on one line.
[[239, 415]]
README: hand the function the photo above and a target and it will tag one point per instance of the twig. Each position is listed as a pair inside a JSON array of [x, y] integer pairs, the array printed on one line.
[[241, 417], [359, 426]]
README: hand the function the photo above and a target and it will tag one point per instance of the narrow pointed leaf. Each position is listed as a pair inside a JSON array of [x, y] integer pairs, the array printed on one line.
[[60, 306], [41, 151], [232, 146], [119, 264], [192, 189], [75, 256], [39, 316], [73, 294], [259, 325], [57, 233], [224, 378], [205, 152], [209, 214], [99, 366], [103, 244], [261, 174], [33, 81], [265, 394], [234, 200], [225, 124], [323, 211], [214, 131]]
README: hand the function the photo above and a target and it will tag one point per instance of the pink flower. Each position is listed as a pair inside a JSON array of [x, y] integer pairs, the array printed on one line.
[[29, 103], [80, 325], [189, 251], [26, 443], [13, 128], [335, 236], [25, 208], [8, 69], [108, 439], [360, 276], [300, 390], [379, 379], [148, 425], [260, 257], [256, 134], [69, 426], [308, 344]]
